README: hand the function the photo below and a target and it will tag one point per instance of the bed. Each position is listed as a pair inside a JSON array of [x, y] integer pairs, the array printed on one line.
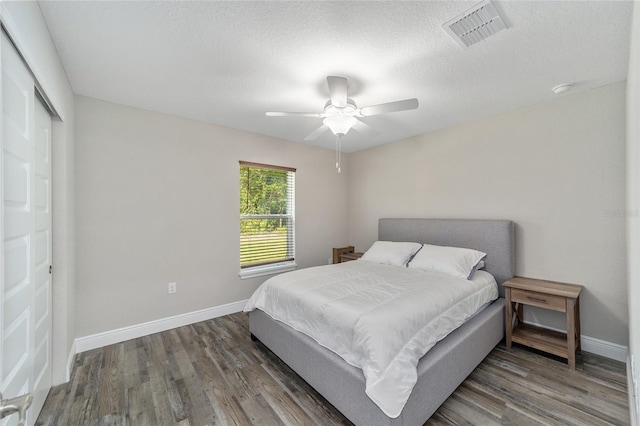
[[444, 367]]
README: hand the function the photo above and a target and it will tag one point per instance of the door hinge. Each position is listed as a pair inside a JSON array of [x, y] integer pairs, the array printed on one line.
[[50, 268]]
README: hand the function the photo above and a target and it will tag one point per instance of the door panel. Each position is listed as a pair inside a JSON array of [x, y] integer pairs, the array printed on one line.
[[42, 258], [19, 226], [25, 284]]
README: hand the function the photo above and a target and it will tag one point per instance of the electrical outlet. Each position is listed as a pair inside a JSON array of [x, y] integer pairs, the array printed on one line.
[[172, 288]]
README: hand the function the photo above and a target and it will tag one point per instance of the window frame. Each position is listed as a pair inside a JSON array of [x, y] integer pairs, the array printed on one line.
[[260, 269]]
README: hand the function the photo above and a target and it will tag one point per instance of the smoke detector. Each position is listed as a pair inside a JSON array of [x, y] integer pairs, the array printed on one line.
[[562, 88], [475, 25]]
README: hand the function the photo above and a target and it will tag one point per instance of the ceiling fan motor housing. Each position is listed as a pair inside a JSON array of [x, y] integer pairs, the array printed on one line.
[[350, 109]]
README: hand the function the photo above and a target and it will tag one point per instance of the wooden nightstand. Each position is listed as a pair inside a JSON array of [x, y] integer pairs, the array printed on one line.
[[346, 257], [561, 297], [345, 254], [338, 251]]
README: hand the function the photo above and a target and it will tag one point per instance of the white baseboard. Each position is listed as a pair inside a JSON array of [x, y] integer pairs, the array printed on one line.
[[70, 359], [99, 340], [604, 348], [106, 338], [597, 346], [631, 391]]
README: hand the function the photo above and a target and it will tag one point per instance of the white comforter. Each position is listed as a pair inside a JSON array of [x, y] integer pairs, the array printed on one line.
[[379, 318]]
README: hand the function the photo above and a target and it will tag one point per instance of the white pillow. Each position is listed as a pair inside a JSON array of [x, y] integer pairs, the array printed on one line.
[[391, 253], [453, 261], [480, 265]]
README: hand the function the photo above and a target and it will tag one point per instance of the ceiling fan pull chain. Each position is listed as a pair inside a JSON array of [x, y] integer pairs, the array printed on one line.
[[337, 159], [339, 151]]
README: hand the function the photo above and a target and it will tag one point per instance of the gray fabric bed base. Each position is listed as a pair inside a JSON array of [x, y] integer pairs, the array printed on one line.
[[440, 371], [445, 366]]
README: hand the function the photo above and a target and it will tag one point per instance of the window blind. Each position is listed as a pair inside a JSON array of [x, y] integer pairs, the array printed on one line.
[[267, 219]]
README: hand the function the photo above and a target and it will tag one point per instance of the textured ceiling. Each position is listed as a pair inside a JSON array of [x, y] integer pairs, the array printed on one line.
[[228, 62]]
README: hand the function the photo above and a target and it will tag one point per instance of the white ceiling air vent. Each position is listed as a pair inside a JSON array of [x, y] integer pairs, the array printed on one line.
[[476, 24]]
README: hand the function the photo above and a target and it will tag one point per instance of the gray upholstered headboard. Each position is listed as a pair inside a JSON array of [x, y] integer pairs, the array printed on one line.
[[494, 237]]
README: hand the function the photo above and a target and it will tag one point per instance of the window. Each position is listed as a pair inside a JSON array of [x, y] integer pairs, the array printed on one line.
[[267, 220]]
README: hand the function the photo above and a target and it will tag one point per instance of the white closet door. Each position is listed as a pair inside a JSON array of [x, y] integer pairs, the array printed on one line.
[[42, 258], [25, 284]]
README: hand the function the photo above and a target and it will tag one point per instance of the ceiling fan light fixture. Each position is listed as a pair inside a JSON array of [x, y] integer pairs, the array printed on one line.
[[340, 124]]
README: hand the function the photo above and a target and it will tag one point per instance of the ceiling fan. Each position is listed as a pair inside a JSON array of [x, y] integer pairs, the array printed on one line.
[[341, 113]]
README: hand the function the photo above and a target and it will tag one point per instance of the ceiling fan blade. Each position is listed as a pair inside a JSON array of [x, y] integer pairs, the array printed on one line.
[[365, 129], [316, 133], [294, 114], [338, 91], [389, 107]]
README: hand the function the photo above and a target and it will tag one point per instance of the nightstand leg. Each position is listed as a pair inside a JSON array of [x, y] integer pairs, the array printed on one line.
[[508, 314], [520, 312], [571, 333], [579, 343]]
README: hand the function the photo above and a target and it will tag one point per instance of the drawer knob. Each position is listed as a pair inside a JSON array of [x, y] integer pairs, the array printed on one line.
[[537, 299]]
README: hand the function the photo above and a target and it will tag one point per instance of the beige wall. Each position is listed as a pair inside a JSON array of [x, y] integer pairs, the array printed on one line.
[[158, 201], [633, 207], [28, 29], [557, 169]]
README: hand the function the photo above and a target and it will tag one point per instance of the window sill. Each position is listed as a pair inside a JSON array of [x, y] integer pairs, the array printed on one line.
[[259, 271]]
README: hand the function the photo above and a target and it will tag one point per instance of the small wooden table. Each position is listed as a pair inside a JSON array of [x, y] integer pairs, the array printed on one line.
[[345, 254], [338, 251], [346, 257], [561, 297]]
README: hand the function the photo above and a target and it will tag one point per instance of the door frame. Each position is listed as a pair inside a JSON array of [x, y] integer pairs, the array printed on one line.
[[39, 90]]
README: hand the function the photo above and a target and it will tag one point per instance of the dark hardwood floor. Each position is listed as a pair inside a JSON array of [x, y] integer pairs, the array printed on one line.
[[212, 373]]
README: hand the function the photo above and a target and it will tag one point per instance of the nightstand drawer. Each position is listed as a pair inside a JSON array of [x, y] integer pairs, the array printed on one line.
[[547, 301]]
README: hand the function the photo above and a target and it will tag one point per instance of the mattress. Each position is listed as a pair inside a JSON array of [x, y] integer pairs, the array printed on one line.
[[379, 318]]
